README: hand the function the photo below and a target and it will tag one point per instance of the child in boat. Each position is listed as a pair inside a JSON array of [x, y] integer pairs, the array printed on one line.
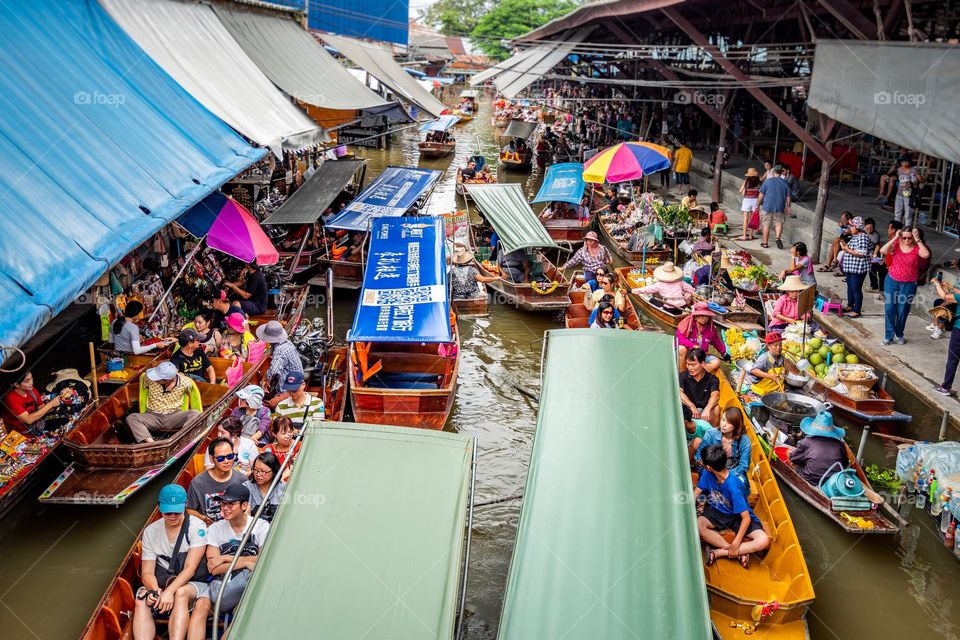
[[726, 508], [694, 429]]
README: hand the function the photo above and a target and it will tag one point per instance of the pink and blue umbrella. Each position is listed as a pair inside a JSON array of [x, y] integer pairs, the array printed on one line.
[[626, 161], [229, 228]]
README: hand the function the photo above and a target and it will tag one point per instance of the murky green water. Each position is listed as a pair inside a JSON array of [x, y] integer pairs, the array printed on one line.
[[58, 560]]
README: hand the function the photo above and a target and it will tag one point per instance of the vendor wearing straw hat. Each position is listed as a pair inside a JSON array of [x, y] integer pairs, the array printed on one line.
[[669, 285], [786, 308], [820, 450], [698, 331], [464, 274]]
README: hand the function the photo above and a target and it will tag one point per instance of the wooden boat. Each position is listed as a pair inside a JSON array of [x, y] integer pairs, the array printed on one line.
[[552, 297], [781, 575], [414, 385], [463, 186], [745, 319], [666, 317], [464, 117], [347, 273], [436, 149], [652, 257], [521, 162], [577, 316], [113, 617], [884, 520], [877, 411], [569, 230]]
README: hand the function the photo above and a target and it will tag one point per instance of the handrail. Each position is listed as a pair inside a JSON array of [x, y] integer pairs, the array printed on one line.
[[466, 559]]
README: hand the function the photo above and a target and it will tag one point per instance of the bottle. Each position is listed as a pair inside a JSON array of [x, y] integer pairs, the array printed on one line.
[[932, 485], [945, 517], [956, 546], [950, 537], [921, 498]]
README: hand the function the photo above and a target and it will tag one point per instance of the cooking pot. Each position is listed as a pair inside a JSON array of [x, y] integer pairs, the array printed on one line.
[[806, 406]]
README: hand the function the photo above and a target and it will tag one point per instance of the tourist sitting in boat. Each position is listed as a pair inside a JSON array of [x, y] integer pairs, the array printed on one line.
[[694, 429], [699, 331], [604, 318], [265, 469], [252, 414], [284, 357], [607, 283], [732, 436], [246, 450], [464, 274], [168, 401], [583, 209], [514, 266], [253, 292], [210, 337], [550, 211], [510, 152], [298, 405], [820, 450], [192, 360], [669, 286], [766, 376], [237, 339], [205, 487], [284, 434], [223, 539], [485, 175], [24, 409], [594, 283], [126, 333], [726, 508], [592, 255], [611, 300], [223, 308], [470, 171], [699, 389], [171, 550], [786, 308]]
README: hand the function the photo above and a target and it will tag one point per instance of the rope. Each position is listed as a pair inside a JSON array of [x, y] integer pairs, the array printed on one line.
[[23, 359]]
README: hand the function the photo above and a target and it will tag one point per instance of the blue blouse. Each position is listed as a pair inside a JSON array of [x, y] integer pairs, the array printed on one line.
[[739, 460]]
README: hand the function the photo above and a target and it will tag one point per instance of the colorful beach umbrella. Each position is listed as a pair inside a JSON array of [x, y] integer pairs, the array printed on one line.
[[626, 161], [229, 228]]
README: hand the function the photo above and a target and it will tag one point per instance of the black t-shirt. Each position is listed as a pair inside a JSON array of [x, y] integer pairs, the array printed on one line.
[[699, 392], [257, 288], [219, 320], [196, 364], [468, 173]]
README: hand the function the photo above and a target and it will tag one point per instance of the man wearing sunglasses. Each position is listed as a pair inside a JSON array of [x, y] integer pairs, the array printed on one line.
[[206, 488]]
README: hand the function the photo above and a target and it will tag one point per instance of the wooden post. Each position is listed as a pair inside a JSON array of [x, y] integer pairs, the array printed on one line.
[[717, 170], [93, 373], [823, 193]]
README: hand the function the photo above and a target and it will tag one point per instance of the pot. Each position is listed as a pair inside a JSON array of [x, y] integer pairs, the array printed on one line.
[[795, 380], [800, 406], [704, 291]]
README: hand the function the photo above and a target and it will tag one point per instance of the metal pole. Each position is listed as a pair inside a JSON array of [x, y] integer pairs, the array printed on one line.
[[863, 443], [466, 559], [330, 304], [943, 426]]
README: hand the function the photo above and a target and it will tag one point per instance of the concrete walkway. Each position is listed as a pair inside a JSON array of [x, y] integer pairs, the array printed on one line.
[[916, 366]]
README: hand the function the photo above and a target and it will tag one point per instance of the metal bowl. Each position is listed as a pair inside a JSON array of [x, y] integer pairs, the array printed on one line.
[[795, 380]]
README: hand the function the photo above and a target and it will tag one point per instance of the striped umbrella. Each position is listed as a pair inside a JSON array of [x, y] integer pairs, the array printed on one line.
[[626, 161]]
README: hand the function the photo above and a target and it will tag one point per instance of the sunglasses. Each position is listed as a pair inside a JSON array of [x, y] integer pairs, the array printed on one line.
[[229, 456]]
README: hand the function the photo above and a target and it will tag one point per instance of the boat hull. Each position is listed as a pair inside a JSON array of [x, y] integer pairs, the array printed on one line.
[[522, 295], [635, 258], [567, 230], [473, 307], [347, 274], [436, 149]]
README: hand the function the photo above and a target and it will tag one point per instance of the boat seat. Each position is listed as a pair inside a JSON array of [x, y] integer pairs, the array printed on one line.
[[754, 584], [120, 599], [403, 381]]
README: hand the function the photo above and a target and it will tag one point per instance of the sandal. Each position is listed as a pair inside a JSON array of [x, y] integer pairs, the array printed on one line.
[[764, 245], [745, 561], [854, 314], [779, 243], [825, 268], [709, 556]]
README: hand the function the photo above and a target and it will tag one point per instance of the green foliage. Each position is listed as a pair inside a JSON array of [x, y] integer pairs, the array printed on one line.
[[671, 214], [883, 480], [511, 18], [455, 17]]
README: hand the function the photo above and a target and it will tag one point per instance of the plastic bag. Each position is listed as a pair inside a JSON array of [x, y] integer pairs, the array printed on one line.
[[234, 372]]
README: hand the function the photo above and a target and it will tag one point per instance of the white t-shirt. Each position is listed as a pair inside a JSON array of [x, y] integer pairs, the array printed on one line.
[[222, 536], [247, 452], [156, 543]]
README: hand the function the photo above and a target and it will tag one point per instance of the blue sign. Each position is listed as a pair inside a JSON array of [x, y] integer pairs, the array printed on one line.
[[404, 296], [390, 195], [440, 124], [563, 183]]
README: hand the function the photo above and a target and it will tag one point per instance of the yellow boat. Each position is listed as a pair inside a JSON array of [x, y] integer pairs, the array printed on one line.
[[780, 577]]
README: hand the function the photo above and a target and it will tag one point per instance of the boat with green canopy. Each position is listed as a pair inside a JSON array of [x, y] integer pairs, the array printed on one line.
[[371, 540], [607, 544], [518, 228]]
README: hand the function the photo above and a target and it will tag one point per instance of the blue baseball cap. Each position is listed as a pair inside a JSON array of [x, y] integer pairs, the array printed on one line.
[[292, 382], [173, 499]]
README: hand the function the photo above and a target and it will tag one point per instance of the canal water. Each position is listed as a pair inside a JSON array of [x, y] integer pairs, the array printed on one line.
[[57, 560]]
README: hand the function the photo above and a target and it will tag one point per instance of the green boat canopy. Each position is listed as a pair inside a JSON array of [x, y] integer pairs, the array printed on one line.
[[507, 209], [368, 541], [607, 544]]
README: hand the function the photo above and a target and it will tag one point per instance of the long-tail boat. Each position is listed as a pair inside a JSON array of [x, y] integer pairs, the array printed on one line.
[[458, 230], [518, 227], [577, 316], [521, 158], [618, 244], [666, 316], [442, 144], [404, 351], [776, 588], [109, 467], [564, 183], [113, 617]]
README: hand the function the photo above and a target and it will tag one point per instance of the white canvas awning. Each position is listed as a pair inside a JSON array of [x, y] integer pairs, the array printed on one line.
[[514, 80], [906, 93], [193, 46], [502, 66], [379, 62]]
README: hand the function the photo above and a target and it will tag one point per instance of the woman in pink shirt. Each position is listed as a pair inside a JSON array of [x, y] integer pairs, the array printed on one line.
[[669, 285], [786, 308], [698, 331], [905, 251]]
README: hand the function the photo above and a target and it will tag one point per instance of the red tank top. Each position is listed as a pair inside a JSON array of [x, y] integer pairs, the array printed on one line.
[[904, 266]]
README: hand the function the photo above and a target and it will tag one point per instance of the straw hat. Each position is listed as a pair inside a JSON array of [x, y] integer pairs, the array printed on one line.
[[667, 272], [792, 283], [939, 312], [66, 374], [751, 173], [461, 255], [822, 426], [591, 235], [702, 309]]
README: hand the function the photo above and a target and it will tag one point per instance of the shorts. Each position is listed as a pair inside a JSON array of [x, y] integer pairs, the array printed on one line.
[[766, 217], [681, 178], [723, 521], [202, 588], [748, 205]]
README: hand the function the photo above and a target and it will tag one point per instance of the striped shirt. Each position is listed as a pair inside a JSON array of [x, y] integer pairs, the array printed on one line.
[[296, 412]]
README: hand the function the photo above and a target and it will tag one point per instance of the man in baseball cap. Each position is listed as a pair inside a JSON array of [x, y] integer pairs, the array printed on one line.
[[298, 405], [168, 401], [192, 360]]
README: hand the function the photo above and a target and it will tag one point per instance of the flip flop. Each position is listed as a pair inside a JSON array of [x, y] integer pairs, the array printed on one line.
[[825, 268], [854, 314], [779, 243], [745, 561], [709, 557]]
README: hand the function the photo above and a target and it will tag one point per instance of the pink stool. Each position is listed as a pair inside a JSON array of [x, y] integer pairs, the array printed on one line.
[[826, 306]]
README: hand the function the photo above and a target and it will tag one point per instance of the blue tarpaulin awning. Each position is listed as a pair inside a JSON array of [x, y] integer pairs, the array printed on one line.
[[390, 195], [563, 183], [99, 149], [440, 124], [404, 296]]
